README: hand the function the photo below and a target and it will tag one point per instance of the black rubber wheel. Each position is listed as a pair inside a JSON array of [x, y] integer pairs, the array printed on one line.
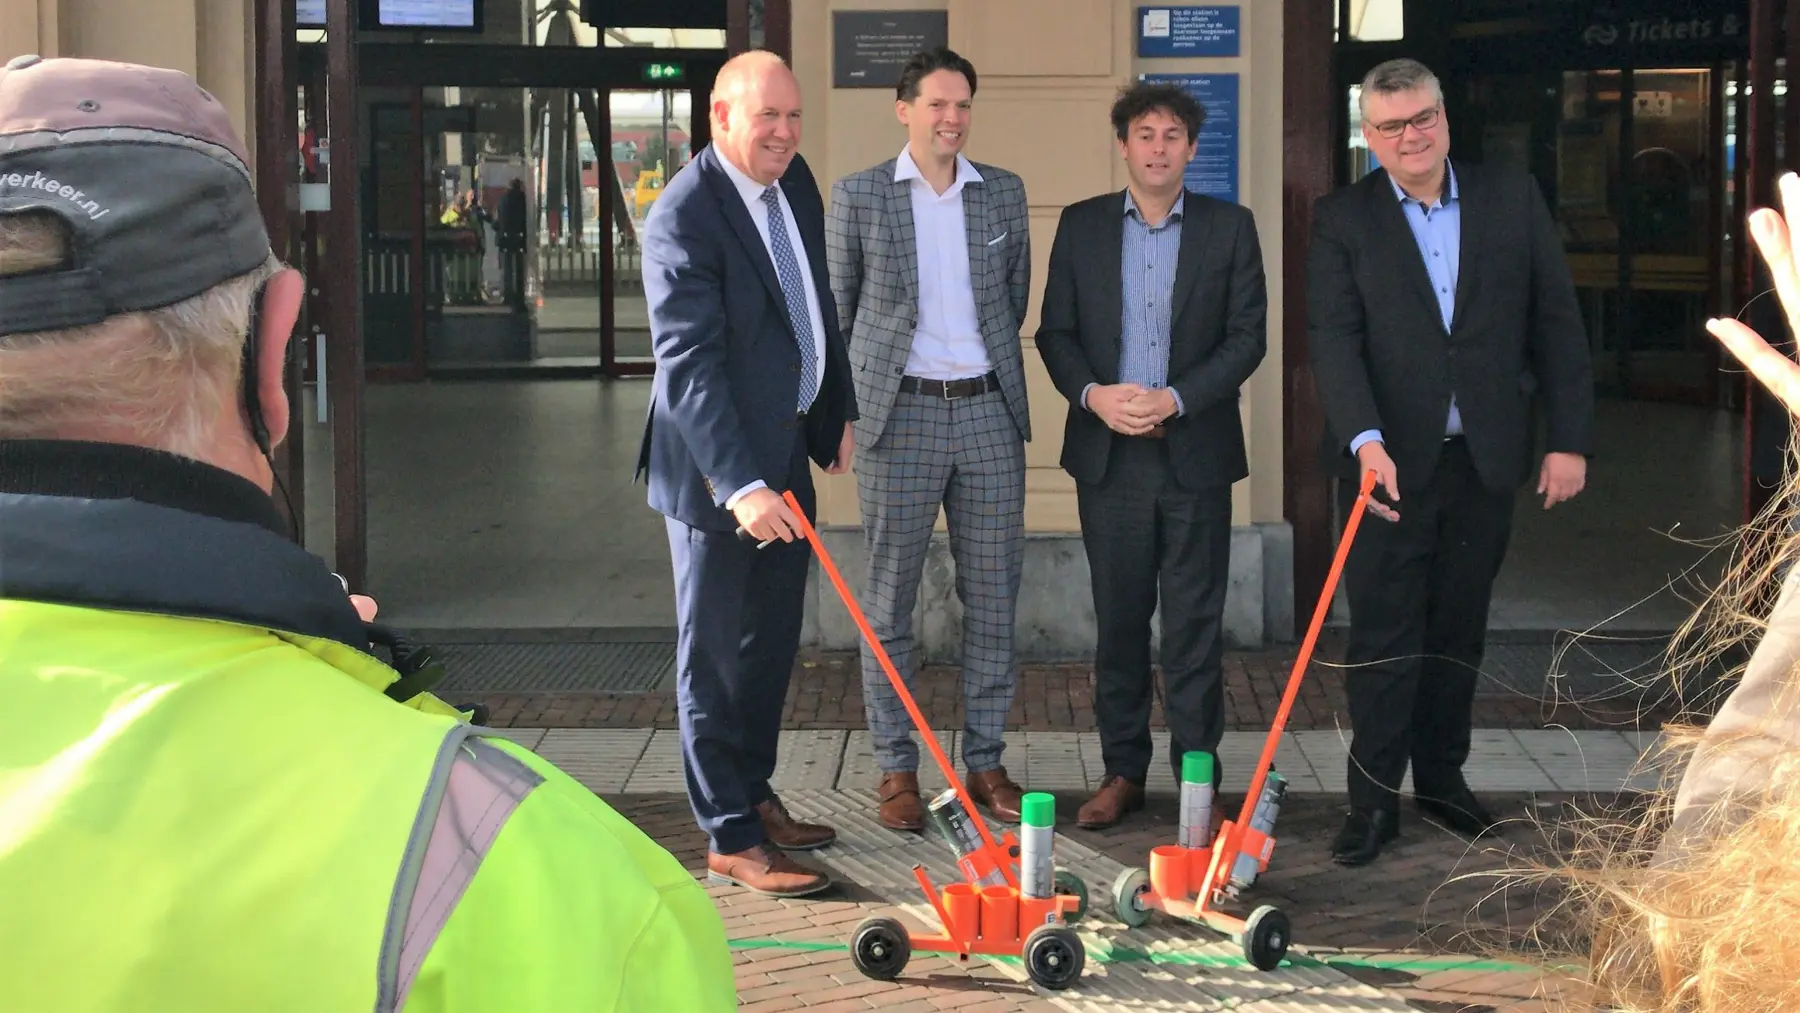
[[1266, 936], [1073, 885], [1128, 895], [880, 948], [1054, 956]]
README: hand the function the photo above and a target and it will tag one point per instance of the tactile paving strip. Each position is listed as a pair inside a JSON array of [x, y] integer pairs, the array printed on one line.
[[1189, 967], [1068, 763], [550, 668]]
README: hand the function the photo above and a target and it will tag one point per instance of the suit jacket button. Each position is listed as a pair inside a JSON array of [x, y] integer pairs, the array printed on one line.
[[788, 424], [795, 368]]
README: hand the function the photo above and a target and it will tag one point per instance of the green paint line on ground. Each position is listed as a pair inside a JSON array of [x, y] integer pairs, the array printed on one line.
[[1127, 955]]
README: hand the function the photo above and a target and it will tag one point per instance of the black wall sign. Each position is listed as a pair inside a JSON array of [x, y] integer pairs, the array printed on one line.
[[868, 48], [654, 13]]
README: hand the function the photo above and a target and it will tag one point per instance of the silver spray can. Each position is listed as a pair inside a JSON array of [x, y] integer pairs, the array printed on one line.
[[1195, 828], [1037, 845], [1262, 820], [946, 812]]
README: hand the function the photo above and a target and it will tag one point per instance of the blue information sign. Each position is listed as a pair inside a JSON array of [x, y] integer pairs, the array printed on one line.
[[1187, 31], [1214, 170]]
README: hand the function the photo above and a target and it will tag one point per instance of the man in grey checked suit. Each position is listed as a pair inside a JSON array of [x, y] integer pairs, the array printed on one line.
[[930, 261]]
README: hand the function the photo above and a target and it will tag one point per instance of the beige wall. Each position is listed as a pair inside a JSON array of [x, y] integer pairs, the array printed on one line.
[[1049, 70], [210, 39]]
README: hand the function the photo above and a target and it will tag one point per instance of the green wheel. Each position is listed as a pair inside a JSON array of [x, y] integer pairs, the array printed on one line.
[[1069, 883], [1128, 897]]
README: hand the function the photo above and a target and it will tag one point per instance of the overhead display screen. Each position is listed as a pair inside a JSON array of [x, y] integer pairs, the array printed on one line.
[[426, 14], [462, 15]]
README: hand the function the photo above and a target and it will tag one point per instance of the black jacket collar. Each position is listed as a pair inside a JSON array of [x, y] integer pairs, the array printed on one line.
[[113, 471], [115, 527]]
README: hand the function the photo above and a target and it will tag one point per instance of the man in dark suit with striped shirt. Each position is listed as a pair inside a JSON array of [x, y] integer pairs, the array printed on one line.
[[1153, 318]]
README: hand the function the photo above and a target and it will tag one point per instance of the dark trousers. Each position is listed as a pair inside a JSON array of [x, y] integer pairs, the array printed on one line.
[[1419, 591], [738, 612], [512, 273], [1144, 535]]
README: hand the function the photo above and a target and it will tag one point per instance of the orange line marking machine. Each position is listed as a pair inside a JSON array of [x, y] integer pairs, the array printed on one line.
[[992, 911], [1192, 879]]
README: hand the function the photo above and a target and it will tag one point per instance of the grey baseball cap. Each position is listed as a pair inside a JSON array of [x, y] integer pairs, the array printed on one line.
[[146, 170]]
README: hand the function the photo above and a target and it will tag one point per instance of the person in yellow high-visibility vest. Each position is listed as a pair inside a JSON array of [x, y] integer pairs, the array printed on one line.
[[210, 796]]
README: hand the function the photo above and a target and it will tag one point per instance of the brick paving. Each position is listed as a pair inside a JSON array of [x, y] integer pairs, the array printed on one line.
[[1432, 926], [826, 693], [1397, 925]]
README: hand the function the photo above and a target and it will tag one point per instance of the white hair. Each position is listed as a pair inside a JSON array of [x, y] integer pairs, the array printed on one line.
[[159, 377], [1394, 77], [735, 76]]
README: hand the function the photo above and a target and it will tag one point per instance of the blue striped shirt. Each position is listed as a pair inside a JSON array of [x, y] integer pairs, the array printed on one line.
[[1147, 275]]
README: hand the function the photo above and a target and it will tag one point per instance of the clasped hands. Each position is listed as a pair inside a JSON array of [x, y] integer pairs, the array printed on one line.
[[1131, 409]]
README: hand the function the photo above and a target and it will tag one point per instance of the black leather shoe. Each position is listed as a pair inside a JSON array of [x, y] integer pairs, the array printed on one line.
[[1459, 811], [1363, 834]]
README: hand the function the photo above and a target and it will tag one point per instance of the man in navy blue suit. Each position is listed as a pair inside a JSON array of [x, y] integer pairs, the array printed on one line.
[[752, 385]]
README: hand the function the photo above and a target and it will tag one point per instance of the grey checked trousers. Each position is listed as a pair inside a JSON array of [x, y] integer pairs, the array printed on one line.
[[966, 455]]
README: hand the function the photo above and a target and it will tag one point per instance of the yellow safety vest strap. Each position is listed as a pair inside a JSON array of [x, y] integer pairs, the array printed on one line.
[[474, 788]]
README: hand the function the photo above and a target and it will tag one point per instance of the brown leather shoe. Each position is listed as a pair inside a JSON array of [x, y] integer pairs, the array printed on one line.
[[765, 870], [1116, 797], [992, 788], [902, 808], [788, 833]]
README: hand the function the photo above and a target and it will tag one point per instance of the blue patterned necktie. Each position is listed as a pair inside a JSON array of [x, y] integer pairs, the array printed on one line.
[[787, 269]]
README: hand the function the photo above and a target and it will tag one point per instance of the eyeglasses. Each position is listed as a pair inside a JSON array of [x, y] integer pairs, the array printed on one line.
[[1424, 121]]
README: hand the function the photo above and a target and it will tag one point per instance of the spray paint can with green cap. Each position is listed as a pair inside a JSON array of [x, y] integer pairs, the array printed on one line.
[[1262, 820], [1037, 845], [1195, 828]]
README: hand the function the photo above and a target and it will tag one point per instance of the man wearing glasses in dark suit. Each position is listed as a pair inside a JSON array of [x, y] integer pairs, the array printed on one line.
[[1439, 304]]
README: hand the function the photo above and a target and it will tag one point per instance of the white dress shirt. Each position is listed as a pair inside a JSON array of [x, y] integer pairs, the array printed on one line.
[[751, 191], [947, 343]]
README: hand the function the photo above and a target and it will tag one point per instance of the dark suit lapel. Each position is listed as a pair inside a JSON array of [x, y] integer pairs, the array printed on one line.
[[900, 233], [741, 223], [1196, 224], [1108, 287], [1471, 224], [1397, 235]]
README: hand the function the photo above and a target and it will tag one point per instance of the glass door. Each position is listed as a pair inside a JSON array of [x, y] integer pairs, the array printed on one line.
[[568, 254], [501, 239], [650, 135], [1661, 220], [482, 254]]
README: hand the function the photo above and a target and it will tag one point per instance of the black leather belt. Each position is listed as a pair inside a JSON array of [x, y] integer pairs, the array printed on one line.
[[950, 390]]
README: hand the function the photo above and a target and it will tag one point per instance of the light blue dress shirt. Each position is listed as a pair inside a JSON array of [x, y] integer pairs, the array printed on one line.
[[1437, 228], [1147, 259]]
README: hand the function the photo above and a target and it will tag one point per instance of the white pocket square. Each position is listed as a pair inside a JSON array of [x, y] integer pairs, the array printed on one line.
[[998, 238]]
